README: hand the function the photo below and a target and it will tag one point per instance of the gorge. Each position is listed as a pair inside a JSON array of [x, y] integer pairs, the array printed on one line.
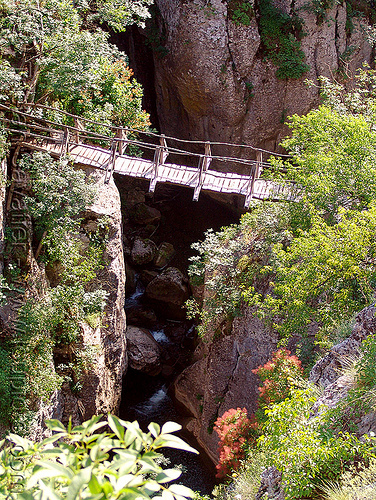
[[96, 284]]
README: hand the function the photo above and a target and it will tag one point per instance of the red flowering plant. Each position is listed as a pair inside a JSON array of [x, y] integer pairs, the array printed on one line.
[[237, 433], [278, 376]]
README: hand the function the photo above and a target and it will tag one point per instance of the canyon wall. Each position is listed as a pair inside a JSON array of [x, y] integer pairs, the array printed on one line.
[[214, 80]]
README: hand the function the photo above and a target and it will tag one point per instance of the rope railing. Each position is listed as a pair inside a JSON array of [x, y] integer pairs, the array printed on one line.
[[100, 137], [148, 133], [65, 136]]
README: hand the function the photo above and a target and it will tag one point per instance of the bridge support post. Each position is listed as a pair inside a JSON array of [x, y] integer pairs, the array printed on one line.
[[64, 142], [255, 174], [204, 164], [122, 134], [160, 156], [111, 162], [77, 125]]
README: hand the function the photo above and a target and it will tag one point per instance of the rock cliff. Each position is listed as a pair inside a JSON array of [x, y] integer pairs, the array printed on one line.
[[221, 376], [101, 382], [216, 81]]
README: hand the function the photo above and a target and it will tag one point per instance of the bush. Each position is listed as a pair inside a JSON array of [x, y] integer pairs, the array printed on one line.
[[236, 432], [301, 447], [280, 35], [278, 376], [121, 463]]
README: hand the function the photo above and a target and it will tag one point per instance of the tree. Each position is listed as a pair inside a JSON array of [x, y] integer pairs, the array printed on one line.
[[48, 55]]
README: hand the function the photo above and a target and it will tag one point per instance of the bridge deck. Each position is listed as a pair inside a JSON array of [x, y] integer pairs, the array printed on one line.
[[212, 180], [38, 133]]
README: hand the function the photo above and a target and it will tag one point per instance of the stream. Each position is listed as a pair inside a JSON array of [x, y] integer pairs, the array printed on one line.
[[147, 400], [148, 397]]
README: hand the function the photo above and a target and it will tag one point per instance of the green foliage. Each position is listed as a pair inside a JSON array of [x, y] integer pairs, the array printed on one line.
[[357, 482], [302, 450], [121, 463], [240, 12], [231, 260], [57, 60], [325, 275], [333, 159], [320, 7], [60, 192], [280, 36], [6, 389]]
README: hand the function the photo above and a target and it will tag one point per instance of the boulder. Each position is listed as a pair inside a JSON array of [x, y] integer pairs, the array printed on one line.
[[144, 353], [169, 290], [164, 254], [143, 251], [144, 215], [140, 316], [147, 276]]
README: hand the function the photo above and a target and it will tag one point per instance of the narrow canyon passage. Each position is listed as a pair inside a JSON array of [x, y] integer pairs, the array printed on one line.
[[160, 339]]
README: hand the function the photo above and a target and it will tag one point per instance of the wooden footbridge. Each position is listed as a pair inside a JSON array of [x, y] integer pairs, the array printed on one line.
[[102, 146]]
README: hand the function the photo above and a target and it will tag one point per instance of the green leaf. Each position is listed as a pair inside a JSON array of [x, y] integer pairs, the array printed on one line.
[[167, 495], [94, 485], [55, 425], [116, 426], [169, 427], [179, 489], [168, 475], [170, 441], [79, 481], [154, 429]]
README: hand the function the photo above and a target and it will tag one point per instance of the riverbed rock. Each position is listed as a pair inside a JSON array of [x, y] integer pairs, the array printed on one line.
[[215, 82], [164, 254], [143, 251], [144, 215], [221, 376], [143, 350], [147, 276], [169, 290], [141, 316]]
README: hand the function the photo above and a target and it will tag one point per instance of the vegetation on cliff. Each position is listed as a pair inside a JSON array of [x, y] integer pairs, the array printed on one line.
[[306, 268]]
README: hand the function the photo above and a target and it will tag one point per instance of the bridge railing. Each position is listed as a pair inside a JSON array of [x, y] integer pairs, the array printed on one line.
[[32, 123]]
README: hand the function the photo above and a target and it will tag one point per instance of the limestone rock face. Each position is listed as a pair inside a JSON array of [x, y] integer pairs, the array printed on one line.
[[169, 290], [143, 351], [215, 83], [102, 385], [328, 371], [222, 378]]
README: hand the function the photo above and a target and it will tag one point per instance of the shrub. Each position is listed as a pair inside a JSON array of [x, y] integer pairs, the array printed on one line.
[[120, 463], [278, 376], [280, 35], [302, 449], [240, 12], [236, 432]]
